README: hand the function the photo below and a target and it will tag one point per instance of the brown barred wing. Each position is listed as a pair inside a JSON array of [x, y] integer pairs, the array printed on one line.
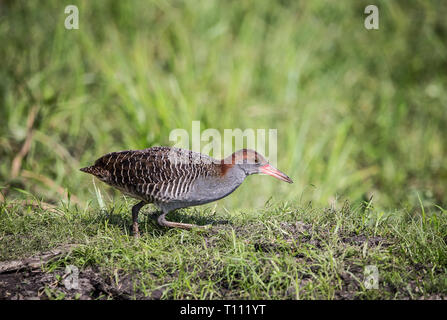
[[154, 175]]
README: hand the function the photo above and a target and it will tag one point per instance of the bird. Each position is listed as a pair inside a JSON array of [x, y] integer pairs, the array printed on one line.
[[173, 178]]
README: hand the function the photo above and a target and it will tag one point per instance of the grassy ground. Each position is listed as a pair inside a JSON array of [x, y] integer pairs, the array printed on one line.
[[280, 252], [361, 115]]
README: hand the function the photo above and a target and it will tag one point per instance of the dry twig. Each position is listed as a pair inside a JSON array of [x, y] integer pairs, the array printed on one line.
[[35, 261]]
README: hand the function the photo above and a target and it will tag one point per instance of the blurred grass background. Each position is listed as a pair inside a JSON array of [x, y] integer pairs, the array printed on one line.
[[358, 112]]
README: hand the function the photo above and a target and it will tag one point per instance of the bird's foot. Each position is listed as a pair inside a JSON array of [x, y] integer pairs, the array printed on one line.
[[206, 227], [165, 223], [135, 231]]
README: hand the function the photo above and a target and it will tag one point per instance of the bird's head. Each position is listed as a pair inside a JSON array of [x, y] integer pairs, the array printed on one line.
[[252, 162]]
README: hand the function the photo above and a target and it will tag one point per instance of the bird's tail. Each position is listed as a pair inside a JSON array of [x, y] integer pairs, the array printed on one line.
[[99, 172], [89, 169]]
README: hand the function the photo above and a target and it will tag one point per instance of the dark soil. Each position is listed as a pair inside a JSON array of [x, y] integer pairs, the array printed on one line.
[[39, 285]]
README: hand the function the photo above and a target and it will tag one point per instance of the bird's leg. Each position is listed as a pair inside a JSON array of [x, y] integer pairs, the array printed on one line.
[[135, 209], [163, 222]]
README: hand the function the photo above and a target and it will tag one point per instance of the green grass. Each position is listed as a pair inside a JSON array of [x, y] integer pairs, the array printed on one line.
[[361, 115], [358, 112], [280, 252]]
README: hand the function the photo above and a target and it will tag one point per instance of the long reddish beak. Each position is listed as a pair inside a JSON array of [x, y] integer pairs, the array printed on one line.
[[272, 171]]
